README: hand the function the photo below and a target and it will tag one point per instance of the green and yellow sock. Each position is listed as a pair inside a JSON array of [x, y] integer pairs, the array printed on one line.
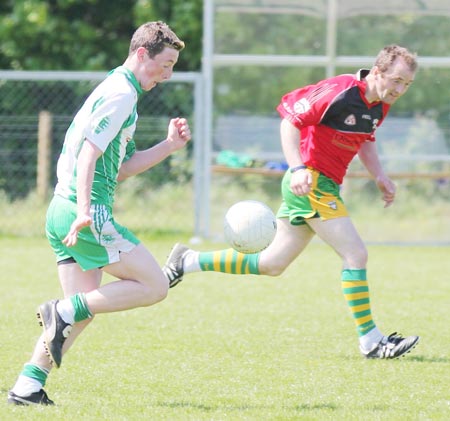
[[229, 261], [356, 293]]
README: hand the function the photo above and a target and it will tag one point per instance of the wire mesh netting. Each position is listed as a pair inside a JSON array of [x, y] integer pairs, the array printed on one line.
[[22, 103], [261, 50]]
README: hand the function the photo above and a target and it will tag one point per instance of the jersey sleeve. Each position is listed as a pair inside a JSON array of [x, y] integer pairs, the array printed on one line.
[[306, 106], [107, 118], [131, 149]]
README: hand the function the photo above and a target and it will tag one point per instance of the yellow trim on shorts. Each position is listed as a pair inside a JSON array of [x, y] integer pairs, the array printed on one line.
[[323, 200]]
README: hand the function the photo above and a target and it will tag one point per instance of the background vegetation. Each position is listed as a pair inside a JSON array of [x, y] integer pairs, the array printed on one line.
[[89, 35], [93, 35]]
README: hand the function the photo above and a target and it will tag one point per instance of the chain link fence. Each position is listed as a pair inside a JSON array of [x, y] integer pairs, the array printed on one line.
[[35, 113], [34, 116]]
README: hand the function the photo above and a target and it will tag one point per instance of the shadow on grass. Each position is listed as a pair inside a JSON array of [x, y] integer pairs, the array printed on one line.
[[202, 407], [209, 408], [423, 359], [314, 407], [404, 358]]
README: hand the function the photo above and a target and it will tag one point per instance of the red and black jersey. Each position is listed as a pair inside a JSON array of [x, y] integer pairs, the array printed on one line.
[[334, 119]]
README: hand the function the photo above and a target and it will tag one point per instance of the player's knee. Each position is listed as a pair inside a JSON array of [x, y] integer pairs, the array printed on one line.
[[357, 258], [363, 256], [161, 292], [155, 293]]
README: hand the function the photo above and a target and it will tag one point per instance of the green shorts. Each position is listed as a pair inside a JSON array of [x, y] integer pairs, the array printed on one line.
[[98, 245], [323, 201]]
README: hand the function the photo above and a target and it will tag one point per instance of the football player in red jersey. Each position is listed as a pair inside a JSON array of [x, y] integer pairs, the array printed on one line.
[[324, 126]]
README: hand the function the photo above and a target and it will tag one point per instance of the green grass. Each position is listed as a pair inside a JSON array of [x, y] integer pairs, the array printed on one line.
[[240, 348]]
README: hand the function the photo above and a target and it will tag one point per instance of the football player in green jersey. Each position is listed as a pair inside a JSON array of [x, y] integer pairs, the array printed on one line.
[[98, 152]]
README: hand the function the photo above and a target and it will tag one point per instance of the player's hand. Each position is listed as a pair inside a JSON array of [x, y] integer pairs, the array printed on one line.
[[80, 222], [387, 188], [178, 133], [301, 182]]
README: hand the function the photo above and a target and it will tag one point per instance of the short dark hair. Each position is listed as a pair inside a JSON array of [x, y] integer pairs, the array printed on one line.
[[389, 53], [154, 37]]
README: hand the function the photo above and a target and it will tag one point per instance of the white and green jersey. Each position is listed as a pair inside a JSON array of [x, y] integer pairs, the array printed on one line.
[[108, 120]]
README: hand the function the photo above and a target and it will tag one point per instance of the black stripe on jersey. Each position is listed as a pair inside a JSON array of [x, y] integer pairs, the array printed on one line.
[[349, 113]]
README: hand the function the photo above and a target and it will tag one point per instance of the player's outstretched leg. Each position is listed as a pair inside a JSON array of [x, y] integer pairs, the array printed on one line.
[[183, 260], [56, 330], [392, 346]]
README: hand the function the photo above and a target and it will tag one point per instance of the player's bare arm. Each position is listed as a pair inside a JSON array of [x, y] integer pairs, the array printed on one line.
[[369, 157], [178, 134], [301, 180]]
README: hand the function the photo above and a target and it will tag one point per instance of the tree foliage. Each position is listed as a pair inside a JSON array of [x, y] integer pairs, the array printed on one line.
[[95, 35], [88, 34]]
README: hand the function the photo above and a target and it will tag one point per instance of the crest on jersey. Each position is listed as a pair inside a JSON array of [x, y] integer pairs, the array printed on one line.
[[302, 106], [375, 123], [332, 205], [350, 120], [102, 125]]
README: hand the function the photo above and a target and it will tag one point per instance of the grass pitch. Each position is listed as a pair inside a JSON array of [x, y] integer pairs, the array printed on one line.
[[225, 347]]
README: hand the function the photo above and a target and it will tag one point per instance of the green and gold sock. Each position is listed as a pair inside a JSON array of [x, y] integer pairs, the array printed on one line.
[[229, 261], [356, 293]]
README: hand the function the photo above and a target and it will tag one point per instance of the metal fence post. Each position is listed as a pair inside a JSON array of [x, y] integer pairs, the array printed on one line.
[[43, 156]]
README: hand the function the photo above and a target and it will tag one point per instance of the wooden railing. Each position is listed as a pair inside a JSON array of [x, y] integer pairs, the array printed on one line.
[[222, 169]]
